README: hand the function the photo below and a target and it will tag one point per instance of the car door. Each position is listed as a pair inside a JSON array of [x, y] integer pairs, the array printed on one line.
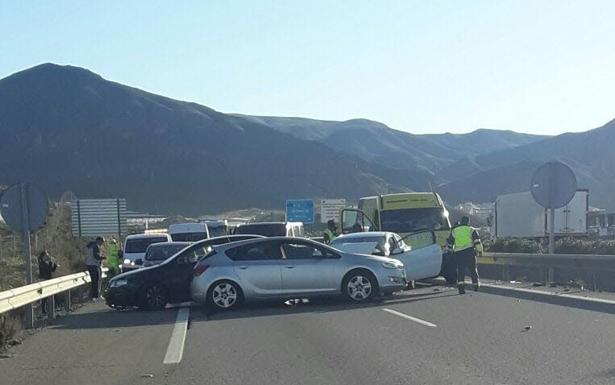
[[421, 263], [308, 268], [258, 266], [178, 273]]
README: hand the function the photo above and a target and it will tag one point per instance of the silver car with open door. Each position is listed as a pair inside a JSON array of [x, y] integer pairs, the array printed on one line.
[[287, 268]]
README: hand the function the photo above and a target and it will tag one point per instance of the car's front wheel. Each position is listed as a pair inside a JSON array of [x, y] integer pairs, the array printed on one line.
[[359, 286], [153, 297], [224, 295]]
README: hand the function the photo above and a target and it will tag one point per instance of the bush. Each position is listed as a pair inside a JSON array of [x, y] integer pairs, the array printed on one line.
[[514, 245], [9, 326], [571, 245]]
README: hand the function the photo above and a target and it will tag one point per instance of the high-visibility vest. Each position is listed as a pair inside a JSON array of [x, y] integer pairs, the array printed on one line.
[[330, 234], [463, 237], [112, 258]]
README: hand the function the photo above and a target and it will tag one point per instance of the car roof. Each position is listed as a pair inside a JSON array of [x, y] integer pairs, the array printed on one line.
[[166, 244], [271, 223], [269, 239], [373, 234], [148, 235]]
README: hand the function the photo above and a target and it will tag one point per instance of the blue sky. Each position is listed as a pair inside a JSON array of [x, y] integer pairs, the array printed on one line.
[[420, 66]]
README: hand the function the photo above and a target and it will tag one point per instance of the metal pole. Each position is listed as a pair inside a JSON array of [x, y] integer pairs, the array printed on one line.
[[552, 231], [25, 212]]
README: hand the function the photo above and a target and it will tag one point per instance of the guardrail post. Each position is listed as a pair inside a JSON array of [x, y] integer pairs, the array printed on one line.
[[505, 273], [550, 275], [67, 301], [51, 307]]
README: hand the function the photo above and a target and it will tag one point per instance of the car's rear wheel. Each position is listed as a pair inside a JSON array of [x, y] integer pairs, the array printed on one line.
[[224, 295], [153, 297], [359, 286]]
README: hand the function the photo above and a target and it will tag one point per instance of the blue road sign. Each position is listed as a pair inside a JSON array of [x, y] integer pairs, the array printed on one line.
[[300, 210]]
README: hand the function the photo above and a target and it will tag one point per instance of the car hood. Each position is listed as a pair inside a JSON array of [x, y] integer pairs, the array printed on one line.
[[357, 247], [375, 258]]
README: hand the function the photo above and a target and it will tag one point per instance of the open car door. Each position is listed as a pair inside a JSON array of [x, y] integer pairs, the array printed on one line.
[[356, 221], [420, 254]]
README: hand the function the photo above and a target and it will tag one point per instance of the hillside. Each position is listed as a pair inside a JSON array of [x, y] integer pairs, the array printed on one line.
[[67, 128], [376, 142], [589, 154]]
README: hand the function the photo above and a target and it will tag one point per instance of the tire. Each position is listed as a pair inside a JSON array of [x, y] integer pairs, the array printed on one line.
[[359, 286], [153, 297], [224, 295]]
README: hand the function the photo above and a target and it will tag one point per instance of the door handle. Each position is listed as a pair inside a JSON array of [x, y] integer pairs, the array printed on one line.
[[290, 267], [243, 267]]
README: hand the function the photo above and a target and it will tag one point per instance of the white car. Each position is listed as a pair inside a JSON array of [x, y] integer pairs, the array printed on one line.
[[419, 264], [135, 246]]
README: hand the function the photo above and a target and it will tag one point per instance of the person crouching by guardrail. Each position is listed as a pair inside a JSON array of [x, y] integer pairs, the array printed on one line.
[[46, 267], [94, 264], [466, 245]]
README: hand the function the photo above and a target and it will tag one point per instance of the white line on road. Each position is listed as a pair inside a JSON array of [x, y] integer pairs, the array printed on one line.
[[406, 316], [178, 337]]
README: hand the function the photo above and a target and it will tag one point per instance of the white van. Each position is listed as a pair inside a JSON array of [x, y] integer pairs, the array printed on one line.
[[135, 246], [188, 232]]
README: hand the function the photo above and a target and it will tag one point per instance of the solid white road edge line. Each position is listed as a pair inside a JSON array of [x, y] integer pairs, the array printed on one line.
[[406, 316], [175, 350]]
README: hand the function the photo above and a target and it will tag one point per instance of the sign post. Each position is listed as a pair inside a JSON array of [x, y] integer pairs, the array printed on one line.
[[24, 208], [330, 209], [553, 186]]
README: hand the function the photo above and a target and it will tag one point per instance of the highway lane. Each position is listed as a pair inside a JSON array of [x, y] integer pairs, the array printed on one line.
[[424, 336]]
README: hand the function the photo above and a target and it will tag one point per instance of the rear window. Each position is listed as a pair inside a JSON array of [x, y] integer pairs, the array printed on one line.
[[264, 229], [338, 241], [188, 237], [160, 253], [139, 245]]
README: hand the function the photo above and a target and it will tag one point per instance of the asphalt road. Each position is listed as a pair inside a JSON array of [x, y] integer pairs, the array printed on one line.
[[422, 337]]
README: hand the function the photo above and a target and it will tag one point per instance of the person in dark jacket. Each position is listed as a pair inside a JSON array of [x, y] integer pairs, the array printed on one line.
[[46, 267], [94, 265]]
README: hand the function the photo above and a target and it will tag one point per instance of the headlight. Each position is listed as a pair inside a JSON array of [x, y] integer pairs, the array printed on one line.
[[127, 261], [118, 282], [391, 265]]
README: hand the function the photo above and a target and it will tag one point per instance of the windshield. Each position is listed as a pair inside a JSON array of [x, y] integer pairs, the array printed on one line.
[[366, 239], [188, 237], [162, 252], [411, 220], [264, 229], [139, 245], [217, 231]]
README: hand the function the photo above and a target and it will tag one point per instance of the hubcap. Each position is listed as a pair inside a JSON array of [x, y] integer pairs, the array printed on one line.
[[359, 288], [224, 295], [155, 296]]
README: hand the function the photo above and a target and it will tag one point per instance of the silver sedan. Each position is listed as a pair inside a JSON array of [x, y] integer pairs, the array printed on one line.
[[286, 268]]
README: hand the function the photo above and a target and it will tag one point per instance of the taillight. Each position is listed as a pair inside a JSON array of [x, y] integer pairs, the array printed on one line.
[[200, 269]]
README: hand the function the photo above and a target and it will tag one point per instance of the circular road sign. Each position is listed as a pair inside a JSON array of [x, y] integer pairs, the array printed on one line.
[[20, 197], [553, 185]]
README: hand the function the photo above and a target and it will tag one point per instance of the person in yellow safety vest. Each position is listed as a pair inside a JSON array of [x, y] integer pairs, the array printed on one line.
[[330, 233], [113, 259], [466, 245]]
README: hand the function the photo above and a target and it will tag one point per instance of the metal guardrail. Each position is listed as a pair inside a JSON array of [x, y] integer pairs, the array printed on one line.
[[547, 263], [24, 295]]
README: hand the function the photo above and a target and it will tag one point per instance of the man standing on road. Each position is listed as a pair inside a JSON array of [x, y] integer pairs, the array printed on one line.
[[466, 245], [46, 267], [113, 259], [330, 232], [94, 264]]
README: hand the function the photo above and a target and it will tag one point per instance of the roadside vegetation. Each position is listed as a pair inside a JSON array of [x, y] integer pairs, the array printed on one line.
[[568, 245]]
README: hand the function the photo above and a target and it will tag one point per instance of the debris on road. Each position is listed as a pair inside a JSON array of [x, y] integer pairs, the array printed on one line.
[[147, 375], [527, 328], [6, 355]]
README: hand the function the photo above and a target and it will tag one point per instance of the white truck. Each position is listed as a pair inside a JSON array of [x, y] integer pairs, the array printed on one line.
[[518, 215]]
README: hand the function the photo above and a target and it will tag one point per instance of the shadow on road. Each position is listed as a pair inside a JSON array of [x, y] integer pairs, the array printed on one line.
[[328, 305], [96, 316]]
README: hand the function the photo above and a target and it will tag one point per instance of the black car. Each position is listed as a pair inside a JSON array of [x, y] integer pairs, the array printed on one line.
[[169, 282]]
